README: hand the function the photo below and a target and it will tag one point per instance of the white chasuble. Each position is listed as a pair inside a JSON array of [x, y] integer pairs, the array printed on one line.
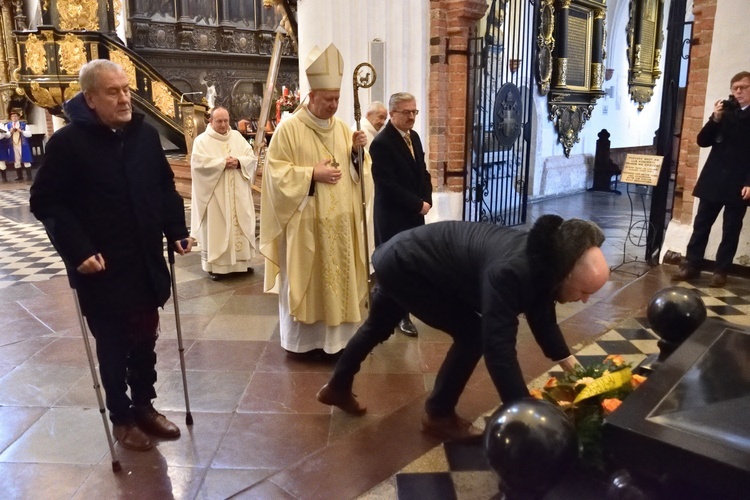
[[222, 215]]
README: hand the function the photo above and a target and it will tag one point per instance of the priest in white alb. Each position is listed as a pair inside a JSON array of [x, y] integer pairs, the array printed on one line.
[[222, 219], [311, 221]]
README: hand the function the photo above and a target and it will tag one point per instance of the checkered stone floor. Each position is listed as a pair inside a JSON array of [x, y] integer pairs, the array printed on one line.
[[25, 251], [460, 471], [14, 198]]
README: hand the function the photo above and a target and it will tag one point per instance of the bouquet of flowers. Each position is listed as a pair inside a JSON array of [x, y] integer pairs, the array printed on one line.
[[587, 395], [287, 102]]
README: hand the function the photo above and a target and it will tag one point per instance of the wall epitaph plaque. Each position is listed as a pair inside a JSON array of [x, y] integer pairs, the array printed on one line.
[[570, 66], [645, 38]]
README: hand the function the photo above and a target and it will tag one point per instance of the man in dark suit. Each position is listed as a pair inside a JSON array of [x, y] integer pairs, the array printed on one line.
[[472, 280], [724, 182], [403, 188]]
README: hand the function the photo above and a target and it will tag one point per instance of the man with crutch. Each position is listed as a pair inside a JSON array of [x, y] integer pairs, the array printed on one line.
[[106, 196]]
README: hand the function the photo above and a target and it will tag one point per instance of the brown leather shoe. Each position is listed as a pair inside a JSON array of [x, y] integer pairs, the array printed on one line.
[[344, 400], [718, 280], [152, 422], [450, 428], [686, 273], [132, 438]]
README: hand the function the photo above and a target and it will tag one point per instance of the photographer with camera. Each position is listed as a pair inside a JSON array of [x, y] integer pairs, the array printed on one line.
[[724, 182]]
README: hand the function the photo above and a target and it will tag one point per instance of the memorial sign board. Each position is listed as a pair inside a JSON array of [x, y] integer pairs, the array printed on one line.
[[641, 169]]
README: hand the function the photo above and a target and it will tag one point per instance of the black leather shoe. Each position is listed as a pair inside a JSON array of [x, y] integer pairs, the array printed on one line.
[[408, 328], [152, 422], [216, 277], [132, 438]]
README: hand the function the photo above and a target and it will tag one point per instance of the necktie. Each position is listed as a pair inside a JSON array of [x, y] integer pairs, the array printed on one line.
[[407, 138]]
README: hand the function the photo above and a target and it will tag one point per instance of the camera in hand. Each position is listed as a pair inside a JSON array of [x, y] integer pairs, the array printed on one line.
[[731, 104]]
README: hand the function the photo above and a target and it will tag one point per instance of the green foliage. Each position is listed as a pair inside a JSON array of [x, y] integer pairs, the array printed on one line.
[[587, 415]]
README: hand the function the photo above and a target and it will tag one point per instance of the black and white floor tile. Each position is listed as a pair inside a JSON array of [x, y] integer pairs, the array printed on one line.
[[25, 251]]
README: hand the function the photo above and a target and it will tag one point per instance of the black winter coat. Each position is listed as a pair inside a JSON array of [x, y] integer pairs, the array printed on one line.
[[402, 183], [98, 191], [727, 169], [497, 271]]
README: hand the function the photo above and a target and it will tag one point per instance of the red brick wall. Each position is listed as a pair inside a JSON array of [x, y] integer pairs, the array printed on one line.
[[451, 25], [687, 168]]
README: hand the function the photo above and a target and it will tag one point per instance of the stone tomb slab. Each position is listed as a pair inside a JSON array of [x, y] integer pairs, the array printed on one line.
[[688, 425]]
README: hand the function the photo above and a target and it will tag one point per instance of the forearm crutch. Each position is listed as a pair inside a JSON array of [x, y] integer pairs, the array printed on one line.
[[102, 410], [170, 254]]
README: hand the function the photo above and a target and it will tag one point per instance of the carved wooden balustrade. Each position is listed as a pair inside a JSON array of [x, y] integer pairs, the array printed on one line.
[[49, 61]]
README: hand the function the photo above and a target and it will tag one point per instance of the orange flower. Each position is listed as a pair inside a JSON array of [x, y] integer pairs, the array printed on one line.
[[610, 405], [536, 393], [552, 382], [616, 359], [637, 380]]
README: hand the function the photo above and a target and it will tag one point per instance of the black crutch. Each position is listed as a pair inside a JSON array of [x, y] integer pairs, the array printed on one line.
[[102, 410], [170, 254]]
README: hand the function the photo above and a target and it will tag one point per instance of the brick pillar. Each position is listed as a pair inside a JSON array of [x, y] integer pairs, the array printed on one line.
[[700, 52], [451, 25]]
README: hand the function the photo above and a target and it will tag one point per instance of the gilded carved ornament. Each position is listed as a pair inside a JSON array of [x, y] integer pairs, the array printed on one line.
[[162, 98], [597, 74], [42, 96], [188, 123], [645, 38], [72, 54], [35, 56], [121, 58], [546, 43], [78, 14], [72, 90], [569, 121], [117, 8]]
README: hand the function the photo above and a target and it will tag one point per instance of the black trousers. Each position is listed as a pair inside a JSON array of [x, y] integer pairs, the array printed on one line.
[[708, 211], [401, 290], [125, 349]]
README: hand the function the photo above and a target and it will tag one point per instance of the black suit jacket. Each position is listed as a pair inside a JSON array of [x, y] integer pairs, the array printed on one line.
[[402, 183]]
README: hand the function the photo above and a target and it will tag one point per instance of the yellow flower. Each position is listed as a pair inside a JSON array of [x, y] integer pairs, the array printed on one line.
[[637, 380], [610, 405], [536, 393], [584, 381], [616, 359]]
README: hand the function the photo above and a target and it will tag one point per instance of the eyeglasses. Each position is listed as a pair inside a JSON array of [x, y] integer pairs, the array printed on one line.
[[740, 87], [408, 112]]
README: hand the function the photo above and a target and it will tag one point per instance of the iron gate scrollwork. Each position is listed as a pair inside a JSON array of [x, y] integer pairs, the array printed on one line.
[[501, 83]]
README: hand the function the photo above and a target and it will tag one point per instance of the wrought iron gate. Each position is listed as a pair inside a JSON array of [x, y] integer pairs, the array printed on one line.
[[500, 98]]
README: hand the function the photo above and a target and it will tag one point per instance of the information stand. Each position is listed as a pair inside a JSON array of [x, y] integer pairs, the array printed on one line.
[[640, 173]]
